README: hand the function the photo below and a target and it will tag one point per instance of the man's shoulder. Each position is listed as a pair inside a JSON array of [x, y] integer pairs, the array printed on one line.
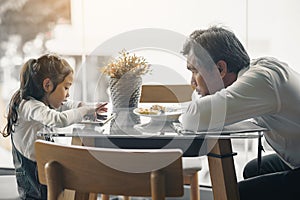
[[268, 62], [272, 66]]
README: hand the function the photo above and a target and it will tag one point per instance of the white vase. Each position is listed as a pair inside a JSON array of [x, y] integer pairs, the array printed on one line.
[[125, 96], [125, 92]]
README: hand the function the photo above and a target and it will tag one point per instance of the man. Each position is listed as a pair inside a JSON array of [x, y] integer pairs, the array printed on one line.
[[232, 89]]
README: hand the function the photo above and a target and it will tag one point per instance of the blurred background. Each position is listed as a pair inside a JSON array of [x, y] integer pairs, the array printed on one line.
[[75, 28]]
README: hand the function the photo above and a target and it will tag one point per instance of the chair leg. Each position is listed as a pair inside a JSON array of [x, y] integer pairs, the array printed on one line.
[[93, 196], [157, 185], [104, 197], [192, 180], [195, 193]]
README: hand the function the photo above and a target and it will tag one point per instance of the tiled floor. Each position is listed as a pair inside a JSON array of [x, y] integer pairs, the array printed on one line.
[[6, 158], [8, 188], [205, 194]]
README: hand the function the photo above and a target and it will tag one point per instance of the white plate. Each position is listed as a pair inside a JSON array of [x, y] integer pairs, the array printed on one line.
[[168, 113]]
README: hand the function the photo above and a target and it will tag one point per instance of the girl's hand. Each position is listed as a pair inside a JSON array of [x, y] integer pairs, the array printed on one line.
[[101, 108]]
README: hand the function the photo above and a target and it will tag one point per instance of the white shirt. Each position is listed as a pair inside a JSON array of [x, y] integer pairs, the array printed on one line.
[[268, 91], [34, 115]]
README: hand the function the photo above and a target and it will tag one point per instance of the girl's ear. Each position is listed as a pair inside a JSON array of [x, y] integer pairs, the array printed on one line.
[[222, 67], [47, 85]]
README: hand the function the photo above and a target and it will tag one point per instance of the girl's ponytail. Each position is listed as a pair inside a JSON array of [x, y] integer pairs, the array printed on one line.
[[12, 117], [21, 93]]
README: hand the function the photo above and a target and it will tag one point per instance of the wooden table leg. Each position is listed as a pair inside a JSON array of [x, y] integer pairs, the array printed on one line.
[[222, 170]]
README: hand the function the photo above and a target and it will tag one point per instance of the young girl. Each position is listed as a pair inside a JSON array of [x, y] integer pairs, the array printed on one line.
[[44, 87]]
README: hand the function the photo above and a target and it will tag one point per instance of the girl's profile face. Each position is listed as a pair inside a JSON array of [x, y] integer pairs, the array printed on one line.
[[61, 93]]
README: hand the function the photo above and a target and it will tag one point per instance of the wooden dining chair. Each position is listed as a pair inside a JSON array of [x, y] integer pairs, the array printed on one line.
[[166, 93], [176, 94], [142, 173]]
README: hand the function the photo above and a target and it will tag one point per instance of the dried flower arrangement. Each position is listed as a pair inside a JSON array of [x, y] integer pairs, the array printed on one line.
[[126, 64]]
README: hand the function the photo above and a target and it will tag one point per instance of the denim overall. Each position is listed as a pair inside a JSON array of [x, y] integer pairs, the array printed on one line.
[[27, 177]]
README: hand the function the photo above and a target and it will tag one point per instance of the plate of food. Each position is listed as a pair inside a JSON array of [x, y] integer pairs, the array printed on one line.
[[158, 111]]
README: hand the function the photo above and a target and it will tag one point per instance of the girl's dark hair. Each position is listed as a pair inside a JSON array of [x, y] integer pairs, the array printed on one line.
[[32, 75], [220, 44]]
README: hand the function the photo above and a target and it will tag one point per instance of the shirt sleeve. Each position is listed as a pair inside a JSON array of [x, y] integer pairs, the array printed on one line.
[[253, 94], [69, 105], [37, 111]]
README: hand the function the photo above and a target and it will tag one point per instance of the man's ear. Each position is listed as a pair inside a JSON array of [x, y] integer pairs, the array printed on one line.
[[47, 85], [222, 67]]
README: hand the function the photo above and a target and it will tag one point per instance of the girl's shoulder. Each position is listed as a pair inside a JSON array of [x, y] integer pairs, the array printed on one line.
[[30, 103]]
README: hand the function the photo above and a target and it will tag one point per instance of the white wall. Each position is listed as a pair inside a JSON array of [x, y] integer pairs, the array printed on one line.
[[274, 30], [266, 28], [104, 19]]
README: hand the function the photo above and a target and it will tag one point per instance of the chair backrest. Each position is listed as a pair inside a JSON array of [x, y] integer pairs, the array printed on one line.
[[166, 93], [155, 173]]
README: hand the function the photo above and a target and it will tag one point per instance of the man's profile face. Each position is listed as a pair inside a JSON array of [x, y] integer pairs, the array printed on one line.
[[206, 77], [197, 80]]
